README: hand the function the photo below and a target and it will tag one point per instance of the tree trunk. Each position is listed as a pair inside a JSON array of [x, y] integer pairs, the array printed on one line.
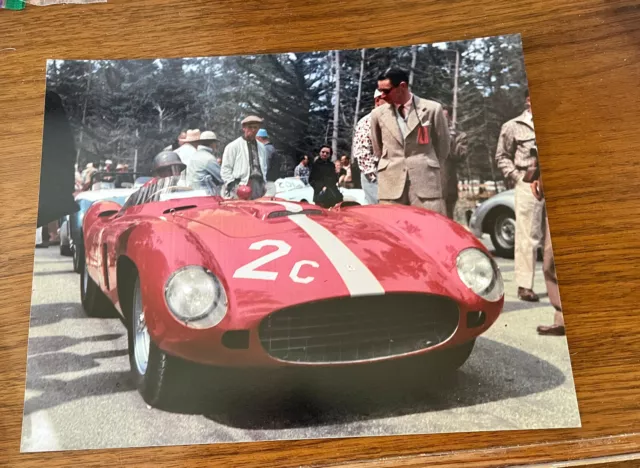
[[336, 105], [160, 117], [135, 153], [454, 117], [414, 59], [357, 112]]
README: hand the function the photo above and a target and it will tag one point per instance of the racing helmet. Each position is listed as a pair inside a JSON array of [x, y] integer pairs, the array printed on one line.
[[165, 160], [244, 192]]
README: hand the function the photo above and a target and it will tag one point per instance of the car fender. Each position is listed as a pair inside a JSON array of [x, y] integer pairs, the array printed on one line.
[[158, 248]]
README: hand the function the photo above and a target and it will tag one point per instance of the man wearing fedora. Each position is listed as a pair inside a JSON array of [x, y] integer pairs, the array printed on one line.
[[410, 139], [188, 145], [244, 161], [203, 170]]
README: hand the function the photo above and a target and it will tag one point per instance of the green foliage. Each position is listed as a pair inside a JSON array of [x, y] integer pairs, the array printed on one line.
[[118, 107]]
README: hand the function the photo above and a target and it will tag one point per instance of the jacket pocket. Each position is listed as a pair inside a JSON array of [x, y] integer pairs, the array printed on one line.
[[433, 163], [384, 161]]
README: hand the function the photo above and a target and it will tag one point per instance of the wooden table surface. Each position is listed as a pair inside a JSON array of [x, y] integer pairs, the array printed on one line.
[[583, 64]]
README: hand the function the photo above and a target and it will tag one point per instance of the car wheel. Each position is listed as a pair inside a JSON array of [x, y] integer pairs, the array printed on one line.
[[78, 257], [162, 380], [503, 233], [94, 302]]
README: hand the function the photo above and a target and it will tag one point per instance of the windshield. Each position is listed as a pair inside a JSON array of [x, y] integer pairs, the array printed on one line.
[[168, 188]]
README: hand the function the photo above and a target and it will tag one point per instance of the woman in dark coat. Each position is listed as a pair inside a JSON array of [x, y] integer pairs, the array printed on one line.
[[324, 180]]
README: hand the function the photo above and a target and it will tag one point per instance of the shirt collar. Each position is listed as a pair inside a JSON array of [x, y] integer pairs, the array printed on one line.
[[409, 101]]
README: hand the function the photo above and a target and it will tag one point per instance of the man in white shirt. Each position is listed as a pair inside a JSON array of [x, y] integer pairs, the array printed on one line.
[[203, 170], [188, 146], [244, 161]]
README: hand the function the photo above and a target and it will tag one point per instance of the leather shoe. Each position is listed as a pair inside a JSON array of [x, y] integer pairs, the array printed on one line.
[[556, 330], [527, 295]]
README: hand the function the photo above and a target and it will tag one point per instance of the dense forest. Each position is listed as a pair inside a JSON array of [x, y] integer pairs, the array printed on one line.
[[128, 110]]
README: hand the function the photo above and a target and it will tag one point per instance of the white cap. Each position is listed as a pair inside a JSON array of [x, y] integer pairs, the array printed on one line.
[[208, 135], [377, 93]]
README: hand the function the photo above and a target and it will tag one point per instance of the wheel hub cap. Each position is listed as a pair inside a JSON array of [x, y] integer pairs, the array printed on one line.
[[141, 339]]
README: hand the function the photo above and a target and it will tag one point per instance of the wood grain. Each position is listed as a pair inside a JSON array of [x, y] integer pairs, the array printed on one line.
[[583, 65]]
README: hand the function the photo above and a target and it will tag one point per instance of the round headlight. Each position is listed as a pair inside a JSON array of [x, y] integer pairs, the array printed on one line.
[[480, 274], [196, 297]]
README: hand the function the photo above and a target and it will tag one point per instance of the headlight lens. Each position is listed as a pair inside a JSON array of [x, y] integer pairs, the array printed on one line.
[[480, 274], [196, 297]]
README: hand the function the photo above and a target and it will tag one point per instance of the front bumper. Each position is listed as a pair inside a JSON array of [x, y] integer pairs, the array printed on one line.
[[284, 339]]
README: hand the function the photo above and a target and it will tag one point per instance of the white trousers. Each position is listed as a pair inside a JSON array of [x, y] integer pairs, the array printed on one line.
[[530, 215]]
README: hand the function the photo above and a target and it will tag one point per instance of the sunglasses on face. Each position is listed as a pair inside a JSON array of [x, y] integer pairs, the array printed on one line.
[[386, 91]]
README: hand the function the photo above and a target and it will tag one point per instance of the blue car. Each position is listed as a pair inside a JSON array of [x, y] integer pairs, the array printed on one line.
[[71, 240]]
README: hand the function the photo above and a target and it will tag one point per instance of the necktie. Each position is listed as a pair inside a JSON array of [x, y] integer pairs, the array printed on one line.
[[401, 111]]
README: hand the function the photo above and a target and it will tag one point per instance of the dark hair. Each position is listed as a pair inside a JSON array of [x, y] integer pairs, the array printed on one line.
[[326, 146], [395, 75], [526, 93]]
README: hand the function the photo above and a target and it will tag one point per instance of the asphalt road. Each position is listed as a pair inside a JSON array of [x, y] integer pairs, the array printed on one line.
[[79, 395]]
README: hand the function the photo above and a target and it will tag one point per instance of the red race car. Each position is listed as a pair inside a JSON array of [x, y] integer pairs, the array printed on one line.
[[272, 283]]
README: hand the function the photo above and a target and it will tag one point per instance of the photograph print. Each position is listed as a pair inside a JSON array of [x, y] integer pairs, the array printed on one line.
[[305, 245]]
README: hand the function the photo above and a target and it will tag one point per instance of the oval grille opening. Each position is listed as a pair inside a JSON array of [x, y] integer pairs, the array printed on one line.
[[358, 328]]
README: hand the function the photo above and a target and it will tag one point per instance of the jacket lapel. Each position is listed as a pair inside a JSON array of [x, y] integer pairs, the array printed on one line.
[[388, 119], [413, 120]]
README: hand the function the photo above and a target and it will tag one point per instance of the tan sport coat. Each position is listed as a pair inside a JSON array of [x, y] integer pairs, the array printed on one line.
[[399, 158]]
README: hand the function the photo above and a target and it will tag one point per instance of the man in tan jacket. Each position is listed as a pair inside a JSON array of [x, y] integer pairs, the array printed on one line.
[[410, 139], [517, 152]]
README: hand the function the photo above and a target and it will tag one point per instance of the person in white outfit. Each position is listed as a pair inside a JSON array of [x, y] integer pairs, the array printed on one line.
[[203, 170], [188, 146], [244, 161]]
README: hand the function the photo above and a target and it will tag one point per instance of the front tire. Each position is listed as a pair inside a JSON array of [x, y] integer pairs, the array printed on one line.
[[162, 380], [78, 257], [94, 302], [503, 233]]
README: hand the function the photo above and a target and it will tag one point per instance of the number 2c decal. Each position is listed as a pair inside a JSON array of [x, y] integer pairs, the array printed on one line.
[[249, 271]]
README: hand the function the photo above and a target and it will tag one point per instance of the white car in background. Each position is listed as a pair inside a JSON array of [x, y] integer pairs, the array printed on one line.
[[293, 189]]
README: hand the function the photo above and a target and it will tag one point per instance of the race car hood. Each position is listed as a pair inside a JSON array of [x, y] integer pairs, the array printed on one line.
[[274, 254]]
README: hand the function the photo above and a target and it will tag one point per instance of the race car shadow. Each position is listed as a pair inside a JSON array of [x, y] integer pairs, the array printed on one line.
[[494, 372], [48, 314], [54, 273], [47, 344]]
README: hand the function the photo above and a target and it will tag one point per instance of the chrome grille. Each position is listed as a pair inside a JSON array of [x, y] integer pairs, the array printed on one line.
[[358, 328]]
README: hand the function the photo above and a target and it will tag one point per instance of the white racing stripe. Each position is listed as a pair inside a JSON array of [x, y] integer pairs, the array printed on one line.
[[356, 276]]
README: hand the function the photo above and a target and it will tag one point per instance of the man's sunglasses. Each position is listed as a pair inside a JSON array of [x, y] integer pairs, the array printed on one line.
[[386, 91]]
